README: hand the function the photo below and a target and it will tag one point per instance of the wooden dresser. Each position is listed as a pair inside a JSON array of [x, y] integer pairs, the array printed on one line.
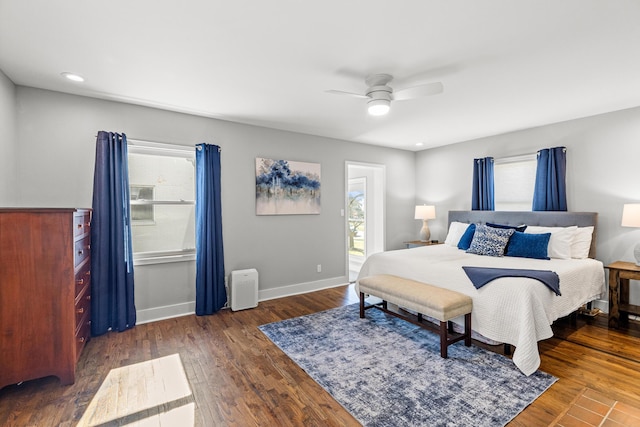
[[45, 292]]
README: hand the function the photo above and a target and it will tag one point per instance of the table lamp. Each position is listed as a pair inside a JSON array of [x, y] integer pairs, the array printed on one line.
[[425, 213], [631, 218]]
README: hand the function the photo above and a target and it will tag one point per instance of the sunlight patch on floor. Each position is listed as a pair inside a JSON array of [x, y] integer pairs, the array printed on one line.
[[151, 393]]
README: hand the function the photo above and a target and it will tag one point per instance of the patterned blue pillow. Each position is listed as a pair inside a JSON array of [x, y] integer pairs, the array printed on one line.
[[490, 241]]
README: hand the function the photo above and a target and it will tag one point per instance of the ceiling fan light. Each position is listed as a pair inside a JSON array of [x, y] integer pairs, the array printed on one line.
[[378, 107]]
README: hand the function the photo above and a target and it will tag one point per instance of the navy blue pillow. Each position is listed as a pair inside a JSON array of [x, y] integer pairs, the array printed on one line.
[[520, 228], [465, 241], [528, 245]]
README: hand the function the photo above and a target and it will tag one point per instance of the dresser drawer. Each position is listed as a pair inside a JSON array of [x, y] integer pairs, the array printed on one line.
[[83, 277], [82, 249], [83, 305], [81, 223], [82, 335]]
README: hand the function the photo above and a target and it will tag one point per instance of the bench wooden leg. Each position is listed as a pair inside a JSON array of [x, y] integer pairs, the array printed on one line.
[[362, 305], [467, 329], [507, 349], [444, 339], [446, 327]]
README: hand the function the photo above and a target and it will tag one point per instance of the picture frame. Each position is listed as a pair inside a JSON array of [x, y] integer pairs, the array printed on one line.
[[286, 187]]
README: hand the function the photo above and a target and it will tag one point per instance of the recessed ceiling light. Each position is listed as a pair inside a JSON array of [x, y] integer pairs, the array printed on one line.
[[73, 77], [419, 144]]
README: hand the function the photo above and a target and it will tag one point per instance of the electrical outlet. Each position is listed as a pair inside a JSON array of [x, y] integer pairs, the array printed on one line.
[[319, 268]]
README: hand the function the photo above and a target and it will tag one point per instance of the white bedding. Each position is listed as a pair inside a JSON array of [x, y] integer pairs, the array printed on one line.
[[517, 311]]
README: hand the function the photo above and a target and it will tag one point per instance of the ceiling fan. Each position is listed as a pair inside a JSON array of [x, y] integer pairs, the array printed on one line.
[[380, 94]]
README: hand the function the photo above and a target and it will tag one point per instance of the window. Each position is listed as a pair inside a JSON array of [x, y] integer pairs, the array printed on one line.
[[514, 181], [162, 192]]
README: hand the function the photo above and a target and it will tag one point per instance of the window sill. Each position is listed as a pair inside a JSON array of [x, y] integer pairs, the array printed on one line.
[[163, 259]]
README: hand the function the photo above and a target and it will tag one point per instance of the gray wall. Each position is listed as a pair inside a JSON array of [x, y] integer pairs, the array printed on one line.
[[8, 141], [55, 153], [602, 173], [57, 143]]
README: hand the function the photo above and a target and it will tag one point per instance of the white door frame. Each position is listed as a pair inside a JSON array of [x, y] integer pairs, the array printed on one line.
[[376, 194]]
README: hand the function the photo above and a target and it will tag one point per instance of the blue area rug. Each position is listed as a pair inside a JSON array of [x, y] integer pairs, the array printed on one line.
[[388, 372]]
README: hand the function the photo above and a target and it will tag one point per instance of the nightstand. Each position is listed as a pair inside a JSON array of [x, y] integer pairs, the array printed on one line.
[[418, 243], [620, 273]]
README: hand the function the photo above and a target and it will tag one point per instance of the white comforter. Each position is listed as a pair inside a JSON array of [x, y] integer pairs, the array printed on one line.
[[517, 311]]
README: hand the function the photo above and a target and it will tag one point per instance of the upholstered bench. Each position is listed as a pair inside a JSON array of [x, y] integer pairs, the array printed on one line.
[[433, 301]]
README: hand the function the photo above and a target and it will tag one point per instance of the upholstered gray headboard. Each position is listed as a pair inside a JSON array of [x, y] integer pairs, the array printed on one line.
[[545, 219]]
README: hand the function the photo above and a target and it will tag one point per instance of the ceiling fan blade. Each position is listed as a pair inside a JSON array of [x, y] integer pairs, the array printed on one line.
[[340, 92], [418, 91]]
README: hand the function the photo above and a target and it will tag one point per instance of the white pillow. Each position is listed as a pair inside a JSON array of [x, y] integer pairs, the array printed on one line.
[[581, 242], [560, 241], [456, 230]]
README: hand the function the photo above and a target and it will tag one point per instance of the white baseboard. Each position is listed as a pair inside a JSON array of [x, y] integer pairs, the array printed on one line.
[[165, 312], [301, 288], [184, 309]]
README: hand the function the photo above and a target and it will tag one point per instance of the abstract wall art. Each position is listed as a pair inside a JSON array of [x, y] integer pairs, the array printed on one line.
[[285, 187]]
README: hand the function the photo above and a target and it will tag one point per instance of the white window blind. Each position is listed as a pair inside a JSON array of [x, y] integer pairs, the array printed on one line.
[[514, 181]]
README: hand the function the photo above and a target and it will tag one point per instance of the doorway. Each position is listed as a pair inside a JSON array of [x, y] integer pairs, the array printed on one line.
[[364, 210]]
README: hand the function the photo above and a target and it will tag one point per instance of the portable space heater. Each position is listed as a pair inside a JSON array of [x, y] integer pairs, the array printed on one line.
[[244, 289]]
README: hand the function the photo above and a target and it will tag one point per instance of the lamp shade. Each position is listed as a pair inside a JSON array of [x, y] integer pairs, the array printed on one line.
[[425, 212], [630, 215]]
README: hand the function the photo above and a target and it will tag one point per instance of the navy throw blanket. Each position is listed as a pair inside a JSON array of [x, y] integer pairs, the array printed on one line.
[[480, 276]]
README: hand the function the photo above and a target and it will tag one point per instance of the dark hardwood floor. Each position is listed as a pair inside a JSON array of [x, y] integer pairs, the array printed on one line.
[[239, 378]]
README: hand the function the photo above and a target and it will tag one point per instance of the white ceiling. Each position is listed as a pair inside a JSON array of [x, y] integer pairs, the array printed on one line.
[[505, 64]]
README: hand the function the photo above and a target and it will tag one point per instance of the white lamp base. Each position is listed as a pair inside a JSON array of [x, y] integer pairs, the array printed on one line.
[[425, 234]]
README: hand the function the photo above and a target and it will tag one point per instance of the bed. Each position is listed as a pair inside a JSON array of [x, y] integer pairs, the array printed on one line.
[[512, 310]]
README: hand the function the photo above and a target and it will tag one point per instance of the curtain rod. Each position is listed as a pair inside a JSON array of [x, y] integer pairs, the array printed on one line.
[[146, 141]]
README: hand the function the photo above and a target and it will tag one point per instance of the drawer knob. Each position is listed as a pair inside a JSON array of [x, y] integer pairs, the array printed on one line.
[[79, 225], [80, 310], [80, 252], [81, 339], [80, 281], [88, 297]]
